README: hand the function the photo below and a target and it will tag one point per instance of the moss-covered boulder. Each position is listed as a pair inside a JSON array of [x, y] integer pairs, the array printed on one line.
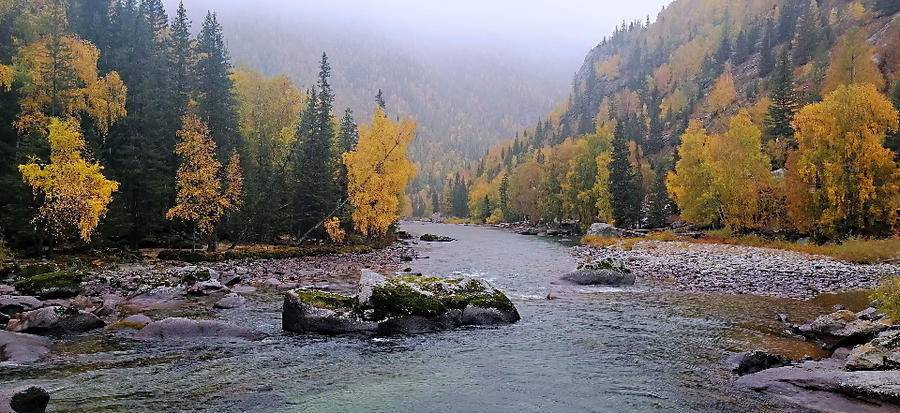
[[604, 272], [409, 304], [58, 284]]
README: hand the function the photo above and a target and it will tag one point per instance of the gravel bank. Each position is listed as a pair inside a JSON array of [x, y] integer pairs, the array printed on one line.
[[740, 269]]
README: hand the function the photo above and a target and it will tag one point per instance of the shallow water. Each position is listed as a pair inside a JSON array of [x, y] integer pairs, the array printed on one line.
[[591, 349]]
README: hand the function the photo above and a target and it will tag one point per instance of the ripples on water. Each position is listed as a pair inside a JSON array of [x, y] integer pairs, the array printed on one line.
[[591, 349]]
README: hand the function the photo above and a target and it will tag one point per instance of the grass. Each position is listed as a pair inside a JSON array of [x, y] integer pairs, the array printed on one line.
[[855, 250], [455, 220]]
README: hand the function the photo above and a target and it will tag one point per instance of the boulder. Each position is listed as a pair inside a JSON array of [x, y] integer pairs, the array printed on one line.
[[159, 298], [132, 322], [605, 272], [231, 300], [435, 238], [55, 320], [192, 274], [882, 353], [870, 313], [31, 399], [59, 284], [14, 304], [37, 268], [840, 329], [755, 361], [231, 279], [184, 328], [22, 348], [826, 386], [407, 304], [206, 288], [600, 229]]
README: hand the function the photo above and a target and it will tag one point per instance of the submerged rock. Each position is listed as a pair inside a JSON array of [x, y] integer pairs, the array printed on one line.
[[22, 348], [231, 300], [604, 272], [177, 327], [408, 304], [435, 238], [14, 304], [755, 361], [55, 320]]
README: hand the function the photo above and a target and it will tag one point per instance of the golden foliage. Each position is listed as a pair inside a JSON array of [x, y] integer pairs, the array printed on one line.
[[267, 115], [378, 171], [609, 67], [74, 191], [7, 74], [722, 94], [334, 230], [841, 178], [852, 62], [106, 101], [719, 178], [234, 181], [201, 198]]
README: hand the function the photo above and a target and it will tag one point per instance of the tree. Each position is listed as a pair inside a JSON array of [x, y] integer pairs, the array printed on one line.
[[379, 100], [767, 58], [852, 62], [378, 171], [505, 210], [202, 197], [887, 7], [784, 101], [74, 192], [181, 55], [842, 179], [723, 93], [807, 34], [216, 106], [624, 183]]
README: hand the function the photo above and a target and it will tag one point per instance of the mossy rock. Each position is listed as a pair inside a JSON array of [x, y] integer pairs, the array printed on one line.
[[323, 299], [39, 268], [59, 284]]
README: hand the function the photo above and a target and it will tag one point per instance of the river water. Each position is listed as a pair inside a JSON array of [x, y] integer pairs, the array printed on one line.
[[641, 349]]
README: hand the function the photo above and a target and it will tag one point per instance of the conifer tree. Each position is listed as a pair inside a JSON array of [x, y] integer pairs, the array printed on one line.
[[766, 47], [624, 183], [216, 106], [807, 36], [379, 100], [181, 58], [784, 101]]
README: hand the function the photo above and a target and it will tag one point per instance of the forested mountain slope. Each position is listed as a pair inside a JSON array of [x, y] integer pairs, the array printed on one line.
[[705, 75]]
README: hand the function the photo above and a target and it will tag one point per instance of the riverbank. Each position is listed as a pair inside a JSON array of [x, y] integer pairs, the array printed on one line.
[[739, 269]]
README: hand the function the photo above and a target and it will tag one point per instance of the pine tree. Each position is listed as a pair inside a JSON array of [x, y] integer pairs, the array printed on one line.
[[181, 57], [505, 209], [767, 57], [624, 184], [213, 85], [784, 101], [379, 100], [807, 34], [658, 208]]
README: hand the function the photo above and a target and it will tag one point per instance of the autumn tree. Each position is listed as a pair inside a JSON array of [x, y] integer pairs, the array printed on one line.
[[852, 62], [842, 180], [74, 193], [378, 171], [722, 94], [204, 196]]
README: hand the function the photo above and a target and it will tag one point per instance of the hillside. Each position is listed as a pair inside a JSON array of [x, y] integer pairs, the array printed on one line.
[[700, 61]]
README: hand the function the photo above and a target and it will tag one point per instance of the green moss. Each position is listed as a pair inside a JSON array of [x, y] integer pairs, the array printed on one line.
[[496, 300], [399, 300], [322, 299], [32, 270], [59, 284], [126, 325], [607, 264]]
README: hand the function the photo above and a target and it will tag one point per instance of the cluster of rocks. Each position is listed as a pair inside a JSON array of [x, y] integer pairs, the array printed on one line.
[[607, 272], [741, 269], [861, 375], [435, 238], [408, 304]]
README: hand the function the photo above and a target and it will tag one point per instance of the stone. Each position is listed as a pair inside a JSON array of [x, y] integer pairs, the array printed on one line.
[[882, 353], [206, 288], [406, 304], [22, 348], [782, 318], [27, 400], [13, 304], [605, 272], [435, 238], [159, 298], [55, 321], [840, 329], [184, 328], [231, 300], [755, 361], [600, 229], [870, 313], [60, 284], [231, 279]]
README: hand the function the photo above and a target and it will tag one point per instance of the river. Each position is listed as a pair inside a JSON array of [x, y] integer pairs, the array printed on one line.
[[641, 348]]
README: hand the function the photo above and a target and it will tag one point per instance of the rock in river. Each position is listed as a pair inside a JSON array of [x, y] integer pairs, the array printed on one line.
[[840, 329], [177, 327], [604, 272], [435, 238], [55, 320], [755, 361], [12, 304], [22, 348], [882, 353], [408, 304], [24, 400]]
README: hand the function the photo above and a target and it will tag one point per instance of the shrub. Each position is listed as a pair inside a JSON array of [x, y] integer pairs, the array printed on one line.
[[888, 297]]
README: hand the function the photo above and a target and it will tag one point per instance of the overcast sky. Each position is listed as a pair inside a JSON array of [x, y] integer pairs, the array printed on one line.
[[564, 29]]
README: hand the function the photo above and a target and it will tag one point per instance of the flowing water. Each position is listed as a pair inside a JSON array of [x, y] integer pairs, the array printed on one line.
[[590, 349]]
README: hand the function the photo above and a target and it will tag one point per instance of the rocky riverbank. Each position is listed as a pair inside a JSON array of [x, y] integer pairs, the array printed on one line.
[[740, 269]]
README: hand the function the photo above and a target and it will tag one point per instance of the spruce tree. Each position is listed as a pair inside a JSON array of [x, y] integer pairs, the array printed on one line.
[[624, 184], [784, 101], [180, 58], [505, 209], [379, 100], [807, 35], [767, 57], [213, 86]]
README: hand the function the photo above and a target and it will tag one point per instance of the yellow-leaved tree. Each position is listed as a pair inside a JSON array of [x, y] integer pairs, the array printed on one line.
[[74, 193], [378, 171], [852, 62], [841, 179], [204, 195], [719, 178]]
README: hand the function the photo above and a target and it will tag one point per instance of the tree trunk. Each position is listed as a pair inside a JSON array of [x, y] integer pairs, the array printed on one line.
[[213, 241]]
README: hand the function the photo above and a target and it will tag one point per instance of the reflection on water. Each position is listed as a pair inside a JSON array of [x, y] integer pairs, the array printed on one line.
[[634, 349]]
